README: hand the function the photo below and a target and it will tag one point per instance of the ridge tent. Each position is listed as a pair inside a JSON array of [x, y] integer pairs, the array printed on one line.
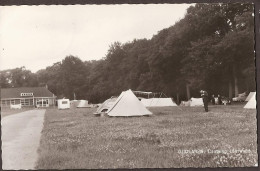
[[106, 105], [251, 104], [185, 103], [196, 102], [83, 103], [63, 104], [127, 104], [74, 103], [249, 96], [158, 102]]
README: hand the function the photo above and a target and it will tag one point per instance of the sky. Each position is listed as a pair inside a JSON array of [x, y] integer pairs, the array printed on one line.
[[38, 36]]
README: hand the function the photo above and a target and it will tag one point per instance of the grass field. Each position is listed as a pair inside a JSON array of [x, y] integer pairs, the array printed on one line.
[[172, 137]]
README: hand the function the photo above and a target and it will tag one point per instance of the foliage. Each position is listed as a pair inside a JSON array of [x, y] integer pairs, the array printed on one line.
[[18, 77], [211, 48]]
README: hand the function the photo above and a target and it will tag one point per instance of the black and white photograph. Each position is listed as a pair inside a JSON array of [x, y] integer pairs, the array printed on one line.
[[128, 86]]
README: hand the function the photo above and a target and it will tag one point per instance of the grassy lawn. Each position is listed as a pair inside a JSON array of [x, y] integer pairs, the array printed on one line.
[[7, 111], [172, 137]]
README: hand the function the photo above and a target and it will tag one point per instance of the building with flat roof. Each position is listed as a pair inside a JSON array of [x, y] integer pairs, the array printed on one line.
[[27, 97]]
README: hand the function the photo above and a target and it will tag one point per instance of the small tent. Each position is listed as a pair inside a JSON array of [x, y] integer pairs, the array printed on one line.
[[251, 104], [74, 103], [106, 105], [158, 102], [249, 96], [127, 104], [196, 102], [83, 103], [63, 103], [185, 103]]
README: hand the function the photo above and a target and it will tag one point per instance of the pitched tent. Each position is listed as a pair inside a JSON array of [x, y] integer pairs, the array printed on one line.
[[249, 96], [251, 104], [83, 103], [158, 102], [196, 102], [74, 103], [127, 104], [106, 105], [185, 103]]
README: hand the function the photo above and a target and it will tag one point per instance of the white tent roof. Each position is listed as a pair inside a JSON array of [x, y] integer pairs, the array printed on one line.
[[74, 103], [196, 102], [251, 104], [142, 92], [106, 105], [153, 102], [127, 104], [249, 96], [185, 103], [83, 103]]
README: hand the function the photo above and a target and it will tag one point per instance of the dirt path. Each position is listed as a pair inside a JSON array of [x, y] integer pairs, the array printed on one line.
[[20, 139]]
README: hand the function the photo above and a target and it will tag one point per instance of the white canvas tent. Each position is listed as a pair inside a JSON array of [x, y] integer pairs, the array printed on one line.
[[196, 102], [106, 105], [249, 96], [127, 104], [63, 104], [83, 103], [158, 102], [251, 104], [74, 103], [185, 103]]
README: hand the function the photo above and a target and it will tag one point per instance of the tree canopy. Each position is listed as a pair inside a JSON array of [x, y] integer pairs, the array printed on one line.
[[211, 48]]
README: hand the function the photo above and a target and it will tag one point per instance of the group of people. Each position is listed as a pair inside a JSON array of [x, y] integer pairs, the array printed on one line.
[[219, 102], [204, 96]]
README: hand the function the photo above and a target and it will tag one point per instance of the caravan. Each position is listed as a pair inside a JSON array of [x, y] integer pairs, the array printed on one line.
[[63, 104]]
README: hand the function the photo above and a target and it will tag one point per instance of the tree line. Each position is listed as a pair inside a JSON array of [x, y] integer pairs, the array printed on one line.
[[211, 48]]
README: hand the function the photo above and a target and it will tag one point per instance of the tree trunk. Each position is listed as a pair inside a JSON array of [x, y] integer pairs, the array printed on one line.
[[230, 90], [178, 98], [235, 80], [188, 91], [247, 85]]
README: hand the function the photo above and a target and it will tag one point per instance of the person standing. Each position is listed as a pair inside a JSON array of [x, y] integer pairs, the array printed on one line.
[[204, 96], [213, 99], [219, 100]]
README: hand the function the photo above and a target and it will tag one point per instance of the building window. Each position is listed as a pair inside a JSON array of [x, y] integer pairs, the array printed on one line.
[[27, 102], [7, 102], [12, 102], [3, 102], [42, 103]]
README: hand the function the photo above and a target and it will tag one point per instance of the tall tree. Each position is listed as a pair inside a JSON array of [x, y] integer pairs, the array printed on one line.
[[73, 77]]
